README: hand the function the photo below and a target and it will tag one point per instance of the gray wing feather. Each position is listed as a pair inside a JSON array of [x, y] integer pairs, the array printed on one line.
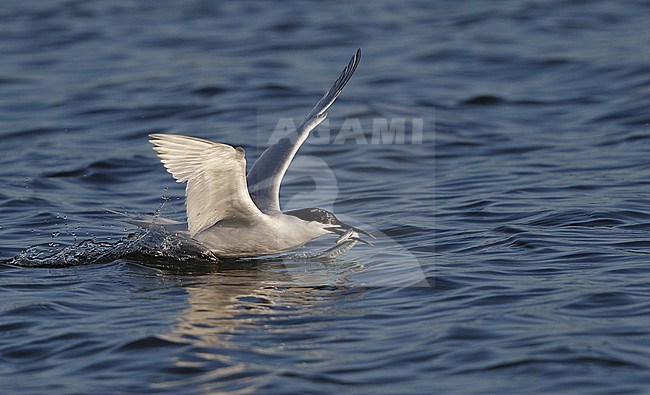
[[266, 175], [216, 179]]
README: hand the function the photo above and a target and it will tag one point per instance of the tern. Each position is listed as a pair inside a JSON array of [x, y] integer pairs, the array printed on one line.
[[237, 215]]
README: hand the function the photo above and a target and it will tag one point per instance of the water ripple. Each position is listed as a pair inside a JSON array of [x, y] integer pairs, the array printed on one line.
[[512, 249]]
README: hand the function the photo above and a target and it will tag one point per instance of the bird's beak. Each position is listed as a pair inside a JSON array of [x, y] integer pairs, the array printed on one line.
[[347, 232]]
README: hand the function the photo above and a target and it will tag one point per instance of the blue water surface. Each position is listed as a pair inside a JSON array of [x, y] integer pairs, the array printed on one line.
[[512, 250]]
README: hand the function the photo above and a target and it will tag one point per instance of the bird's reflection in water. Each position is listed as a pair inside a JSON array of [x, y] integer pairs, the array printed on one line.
[[245, 317]]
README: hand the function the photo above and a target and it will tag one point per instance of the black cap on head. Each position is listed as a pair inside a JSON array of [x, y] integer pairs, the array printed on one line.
[[326, 218], [315, 214]]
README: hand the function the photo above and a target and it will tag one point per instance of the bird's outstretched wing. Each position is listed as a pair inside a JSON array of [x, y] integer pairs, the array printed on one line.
[[266, 175], [215, 175]]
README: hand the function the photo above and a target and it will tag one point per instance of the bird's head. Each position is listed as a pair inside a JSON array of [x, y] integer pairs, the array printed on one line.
[[330, 223]]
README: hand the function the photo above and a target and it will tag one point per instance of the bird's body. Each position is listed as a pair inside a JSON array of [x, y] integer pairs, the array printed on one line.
[[234, 214], [241, 239]]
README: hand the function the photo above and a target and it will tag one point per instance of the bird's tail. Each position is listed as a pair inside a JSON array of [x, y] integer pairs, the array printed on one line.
[[151, 221]]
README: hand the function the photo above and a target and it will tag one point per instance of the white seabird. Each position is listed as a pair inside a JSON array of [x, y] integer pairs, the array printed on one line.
[[232, 214]]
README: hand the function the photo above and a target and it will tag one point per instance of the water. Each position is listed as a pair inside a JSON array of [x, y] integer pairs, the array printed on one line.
[[513, 239]]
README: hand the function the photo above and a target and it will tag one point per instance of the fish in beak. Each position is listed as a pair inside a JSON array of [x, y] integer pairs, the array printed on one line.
[[347, 232]]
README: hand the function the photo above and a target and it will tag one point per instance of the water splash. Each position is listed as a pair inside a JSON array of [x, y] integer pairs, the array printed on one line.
[[330, 253], [143, 246], [83, 253]]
